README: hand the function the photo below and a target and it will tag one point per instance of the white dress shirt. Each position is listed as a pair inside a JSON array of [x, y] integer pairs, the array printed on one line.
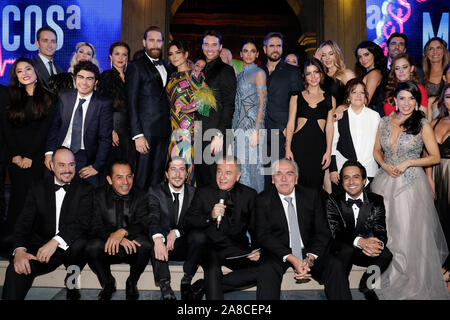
[[59, 198], [68, 139], [355, 214], [45, 61], [363, 129]]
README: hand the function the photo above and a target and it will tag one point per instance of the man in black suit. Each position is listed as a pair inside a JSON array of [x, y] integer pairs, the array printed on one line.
[[119, 230], [146, 79], [4, 98], [292, 230], [83, 122], [282, 79], [169, 202], [357, 222], [220, 77], [51, 229], [225, 212], [47, 44]]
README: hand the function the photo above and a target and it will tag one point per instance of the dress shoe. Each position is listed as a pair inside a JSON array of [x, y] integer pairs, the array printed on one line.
[[167, 292], [107, 291], [186, 291], [198, 289], [369, 294], [131, 292], [73, 294]]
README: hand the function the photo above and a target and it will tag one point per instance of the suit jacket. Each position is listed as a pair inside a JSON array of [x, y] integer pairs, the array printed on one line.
[[98, 126], [4, 100], [105, 218], [36, 225], [281, 83], [231, 238], [272, 226], [147, 99], [371, 218], [42, 69], [162, 208], [221, 78], [345, 143]]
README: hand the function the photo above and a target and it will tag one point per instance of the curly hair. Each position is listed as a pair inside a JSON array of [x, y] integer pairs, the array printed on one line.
[[380, 60], [338, 57]]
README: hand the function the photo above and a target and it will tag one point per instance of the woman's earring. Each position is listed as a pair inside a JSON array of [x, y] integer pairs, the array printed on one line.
[[110, 62], [396, 107], [364, 105], [417, 107]]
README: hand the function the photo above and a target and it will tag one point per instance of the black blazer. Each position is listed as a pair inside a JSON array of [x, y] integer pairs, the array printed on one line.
[[231, 238], [42, 69], [221, 78], [104, 220], [98, 126], [162, 208], [283, 81], [371, 218], [36, 225], [345, 144], [272, 227], [147, 99], [4, 100]]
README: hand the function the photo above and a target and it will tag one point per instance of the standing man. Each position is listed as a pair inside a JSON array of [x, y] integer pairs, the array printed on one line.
[[228, 242], [220, 77], [146, 79], [169, 202], [282, 79], [292, 230], [47, 44], [357, 220], [51, 229], [120, 230], [83, 122]]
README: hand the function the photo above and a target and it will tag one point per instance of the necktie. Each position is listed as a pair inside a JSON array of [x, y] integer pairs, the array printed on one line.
[[176, 203], [351, 202], [58, 186], [294, 233], [50, 64], [157, 63], [77, 126]]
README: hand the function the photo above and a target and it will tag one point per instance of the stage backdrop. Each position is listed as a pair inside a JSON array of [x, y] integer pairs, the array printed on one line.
[[94, 21], [420, 20]]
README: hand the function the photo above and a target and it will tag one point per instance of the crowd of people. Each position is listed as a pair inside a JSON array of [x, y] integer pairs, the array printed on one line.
[[307, 165]]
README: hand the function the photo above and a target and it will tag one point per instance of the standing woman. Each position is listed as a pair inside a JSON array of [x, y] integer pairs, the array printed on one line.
[[111, 84], [415, 235], [248, 120], [183, 89], [371, 67], [436, 57], [309, 133], [26, 123]]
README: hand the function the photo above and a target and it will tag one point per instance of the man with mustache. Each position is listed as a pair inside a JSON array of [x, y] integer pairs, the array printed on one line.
[[51, 229], [282, 79], [168, 203], [145, 82]]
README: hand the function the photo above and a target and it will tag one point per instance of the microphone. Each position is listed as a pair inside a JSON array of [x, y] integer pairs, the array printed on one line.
[[219, 218]]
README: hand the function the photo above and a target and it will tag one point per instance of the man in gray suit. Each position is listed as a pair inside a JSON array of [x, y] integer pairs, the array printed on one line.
[[46, 43]]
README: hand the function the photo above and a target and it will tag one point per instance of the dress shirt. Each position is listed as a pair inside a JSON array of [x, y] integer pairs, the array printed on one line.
[[45, 61], [68, 138], [59, 198], [363, 129], [355, 214]]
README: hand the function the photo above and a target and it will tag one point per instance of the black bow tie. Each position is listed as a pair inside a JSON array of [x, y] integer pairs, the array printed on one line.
[[118, 197], [157, 63], [351, 202], [65, 187]]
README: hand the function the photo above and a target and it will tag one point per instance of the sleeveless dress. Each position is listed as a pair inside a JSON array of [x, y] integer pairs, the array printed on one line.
[[376, 103], [249, 115], [415, 236], [309, 143], [180, 90]]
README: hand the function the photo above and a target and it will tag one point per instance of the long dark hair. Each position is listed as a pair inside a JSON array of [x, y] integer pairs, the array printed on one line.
[[318, 64], [412, 125], [380, 61], [443, 111], [42, 98]]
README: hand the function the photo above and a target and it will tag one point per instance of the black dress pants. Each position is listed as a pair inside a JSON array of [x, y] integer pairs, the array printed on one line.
[[17, 285], [100, 261], [150, 166]]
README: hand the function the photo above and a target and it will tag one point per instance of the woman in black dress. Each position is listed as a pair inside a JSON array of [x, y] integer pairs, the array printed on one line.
[[310, 126], [26, 123], [111, 84]]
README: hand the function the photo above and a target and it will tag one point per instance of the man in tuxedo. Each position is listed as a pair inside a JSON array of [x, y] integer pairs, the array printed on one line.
[[282, 79], [119, 230], [47, 44], [169, 202], [51, 229], [357, 222], [146, 79], [292, 231], [83, 122], [220, 77], [225, 212]]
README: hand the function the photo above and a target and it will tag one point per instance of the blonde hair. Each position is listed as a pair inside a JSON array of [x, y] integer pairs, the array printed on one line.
[[338, 58], [74, 61], [426, 64]]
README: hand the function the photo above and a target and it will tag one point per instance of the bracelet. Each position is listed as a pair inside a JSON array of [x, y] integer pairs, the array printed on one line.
[[310, 261]]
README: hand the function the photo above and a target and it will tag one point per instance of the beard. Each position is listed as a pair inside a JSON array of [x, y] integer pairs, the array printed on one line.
[[274, 59], [154, 53]]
